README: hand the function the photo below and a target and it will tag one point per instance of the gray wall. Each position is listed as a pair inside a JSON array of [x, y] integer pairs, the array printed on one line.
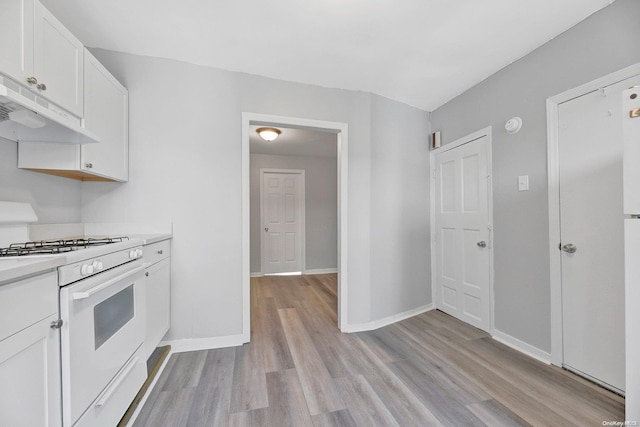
[[54, 199], [321, 207], [605, 42], [400, 230], [185, 155]]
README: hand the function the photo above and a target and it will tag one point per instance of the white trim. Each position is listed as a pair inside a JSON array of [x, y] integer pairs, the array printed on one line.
[[196, 344], [342, 131], [553, 183], [432, 188], [256, 274], [521, 346], [376, 324], [320, 271], [301, 208]]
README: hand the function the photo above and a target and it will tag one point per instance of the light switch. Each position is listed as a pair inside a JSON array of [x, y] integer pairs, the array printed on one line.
[[523, 183]]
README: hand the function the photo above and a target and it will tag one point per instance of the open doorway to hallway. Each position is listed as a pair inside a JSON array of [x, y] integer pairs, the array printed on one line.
[[294, 204]]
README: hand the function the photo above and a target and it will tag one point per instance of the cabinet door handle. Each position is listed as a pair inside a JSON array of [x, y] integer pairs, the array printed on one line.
[[146, 274], [32, 80], [88, 165], [56, 324], [160, 252], [42, 86]]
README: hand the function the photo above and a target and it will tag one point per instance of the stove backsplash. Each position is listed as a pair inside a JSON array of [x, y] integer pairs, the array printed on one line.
[[57, 231], [14, 222]]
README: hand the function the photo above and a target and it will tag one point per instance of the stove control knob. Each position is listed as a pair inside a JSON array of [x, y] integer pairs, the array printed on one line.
[[139, 252], [97, 265], [86, 269], [133, 254]]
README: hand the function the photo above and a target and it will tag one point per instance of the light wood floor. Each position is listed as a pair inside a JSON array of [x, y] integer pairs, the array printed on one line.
[[299, 370]]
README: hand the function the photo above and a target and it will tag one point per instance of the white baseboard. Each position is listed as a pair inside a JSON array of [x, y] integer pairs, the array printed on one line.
[[195, 344], [522, 346], [258, 274], [321, 271], [376, 324]]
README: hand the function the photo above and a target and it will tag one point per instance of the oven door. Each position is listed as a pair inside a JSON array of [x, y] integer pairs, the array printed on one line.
[[103, 325]]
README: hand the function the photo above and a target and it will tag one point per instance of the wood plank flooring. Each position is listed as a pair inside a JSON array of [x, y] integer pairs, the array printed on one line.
[[429, 370]]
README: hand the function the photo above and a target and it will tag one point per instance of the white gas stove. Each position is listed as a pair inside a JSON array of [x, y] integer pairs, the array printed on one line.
[[101, 316]]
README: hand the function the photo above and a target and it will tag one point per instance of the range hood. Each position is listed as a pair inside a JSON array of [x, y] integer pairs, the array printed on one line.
[[25, 116]]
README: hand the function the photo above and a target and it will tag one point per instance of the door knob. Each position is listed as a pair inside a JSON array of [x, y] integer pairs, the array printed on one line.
[[482, 244], [56, 324], [266, 229], [569, 248]]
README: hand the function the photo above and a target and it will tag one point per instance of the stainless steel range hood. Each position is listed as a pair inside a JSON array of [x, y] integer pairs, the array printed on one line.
[[25, 116]]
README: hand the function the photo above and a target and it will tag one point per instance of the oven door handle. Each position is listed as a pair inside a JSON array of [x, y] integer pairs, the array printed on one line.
[[87, 294]]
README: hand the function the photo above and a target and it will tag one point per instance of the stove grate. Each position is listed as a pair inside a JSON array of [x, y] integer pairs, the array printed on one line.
[[50, 247]]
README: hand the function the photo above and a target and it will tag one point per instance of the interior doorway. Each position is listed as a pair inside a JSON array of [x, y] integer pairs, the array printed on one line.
[[340, 134], [462, 233], [587, 235], [282, 217]]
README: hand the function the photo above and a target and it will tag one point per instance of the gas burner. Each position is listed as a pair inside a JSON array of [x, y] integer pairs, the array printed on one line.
[[52, 247]]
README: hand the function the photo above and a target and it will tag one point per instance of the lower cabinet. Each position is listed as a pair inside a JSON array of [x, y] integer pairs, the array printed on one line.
[[30, 377], [157, 294]]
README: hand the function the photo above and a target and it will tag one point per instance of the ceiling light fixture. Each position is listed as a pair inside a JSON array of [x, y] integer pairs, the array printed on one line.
[[268, 134]]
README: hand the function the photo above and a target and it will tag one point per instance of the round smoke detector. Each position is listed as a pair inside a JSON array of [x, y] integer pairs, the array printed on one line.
[[513, 125]]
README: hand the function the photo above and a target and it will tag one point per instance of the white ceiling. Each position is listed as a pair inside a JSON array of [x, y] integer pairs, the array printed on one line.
[[420, 52], [295, 142]]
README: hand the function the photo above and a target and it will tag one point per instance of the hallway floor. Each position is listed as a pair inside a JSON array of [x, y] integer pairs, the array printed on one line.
[[299, 370]]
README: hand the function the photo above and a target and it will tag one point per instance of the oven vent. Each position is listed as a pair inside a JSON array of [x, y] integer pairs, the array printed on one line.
[[4, 112]]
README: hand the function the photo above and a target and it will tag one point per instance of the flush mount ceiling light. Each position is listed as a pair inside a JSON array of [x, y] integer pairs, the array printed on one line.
[[268, 134]]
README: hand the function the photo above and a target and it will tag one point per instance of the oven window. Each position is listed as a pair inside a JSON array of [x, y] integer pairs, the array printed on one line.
[[112, 314]]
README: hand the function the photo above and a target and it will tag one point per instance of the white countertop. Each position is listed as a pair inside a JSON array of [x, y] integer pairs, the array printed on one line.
[[14, 268], [148, 239]]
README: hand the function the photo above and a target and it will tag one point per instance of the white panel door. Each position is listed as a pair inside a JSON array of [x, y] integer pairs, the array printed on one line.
[[592, 233], [282, 204], [462, 233], [631, 168]]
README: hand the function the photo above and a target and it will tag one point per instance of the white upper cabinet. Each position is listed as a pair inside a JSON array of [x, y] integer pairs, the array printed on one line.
[[16, 39], [106, 113], [39, 52], [57, 62]]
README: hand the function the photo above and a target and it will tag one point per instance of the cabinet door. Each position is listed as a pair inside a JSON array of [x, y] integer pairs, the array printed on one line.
[[58, 61], [158, 303], [30, 377], [106, 114], [16, 39]]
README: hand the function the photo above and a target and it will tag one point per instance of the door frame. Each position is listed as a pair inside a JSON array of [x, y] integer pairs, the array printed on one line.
[[553, 185], [432, 199], [301, 209], [342, 132]]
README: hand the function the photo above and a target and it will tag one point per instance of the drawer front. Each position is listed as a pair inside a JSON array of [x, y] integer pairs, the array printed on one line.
[[157, 251], [113, 402], [26, 302]]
